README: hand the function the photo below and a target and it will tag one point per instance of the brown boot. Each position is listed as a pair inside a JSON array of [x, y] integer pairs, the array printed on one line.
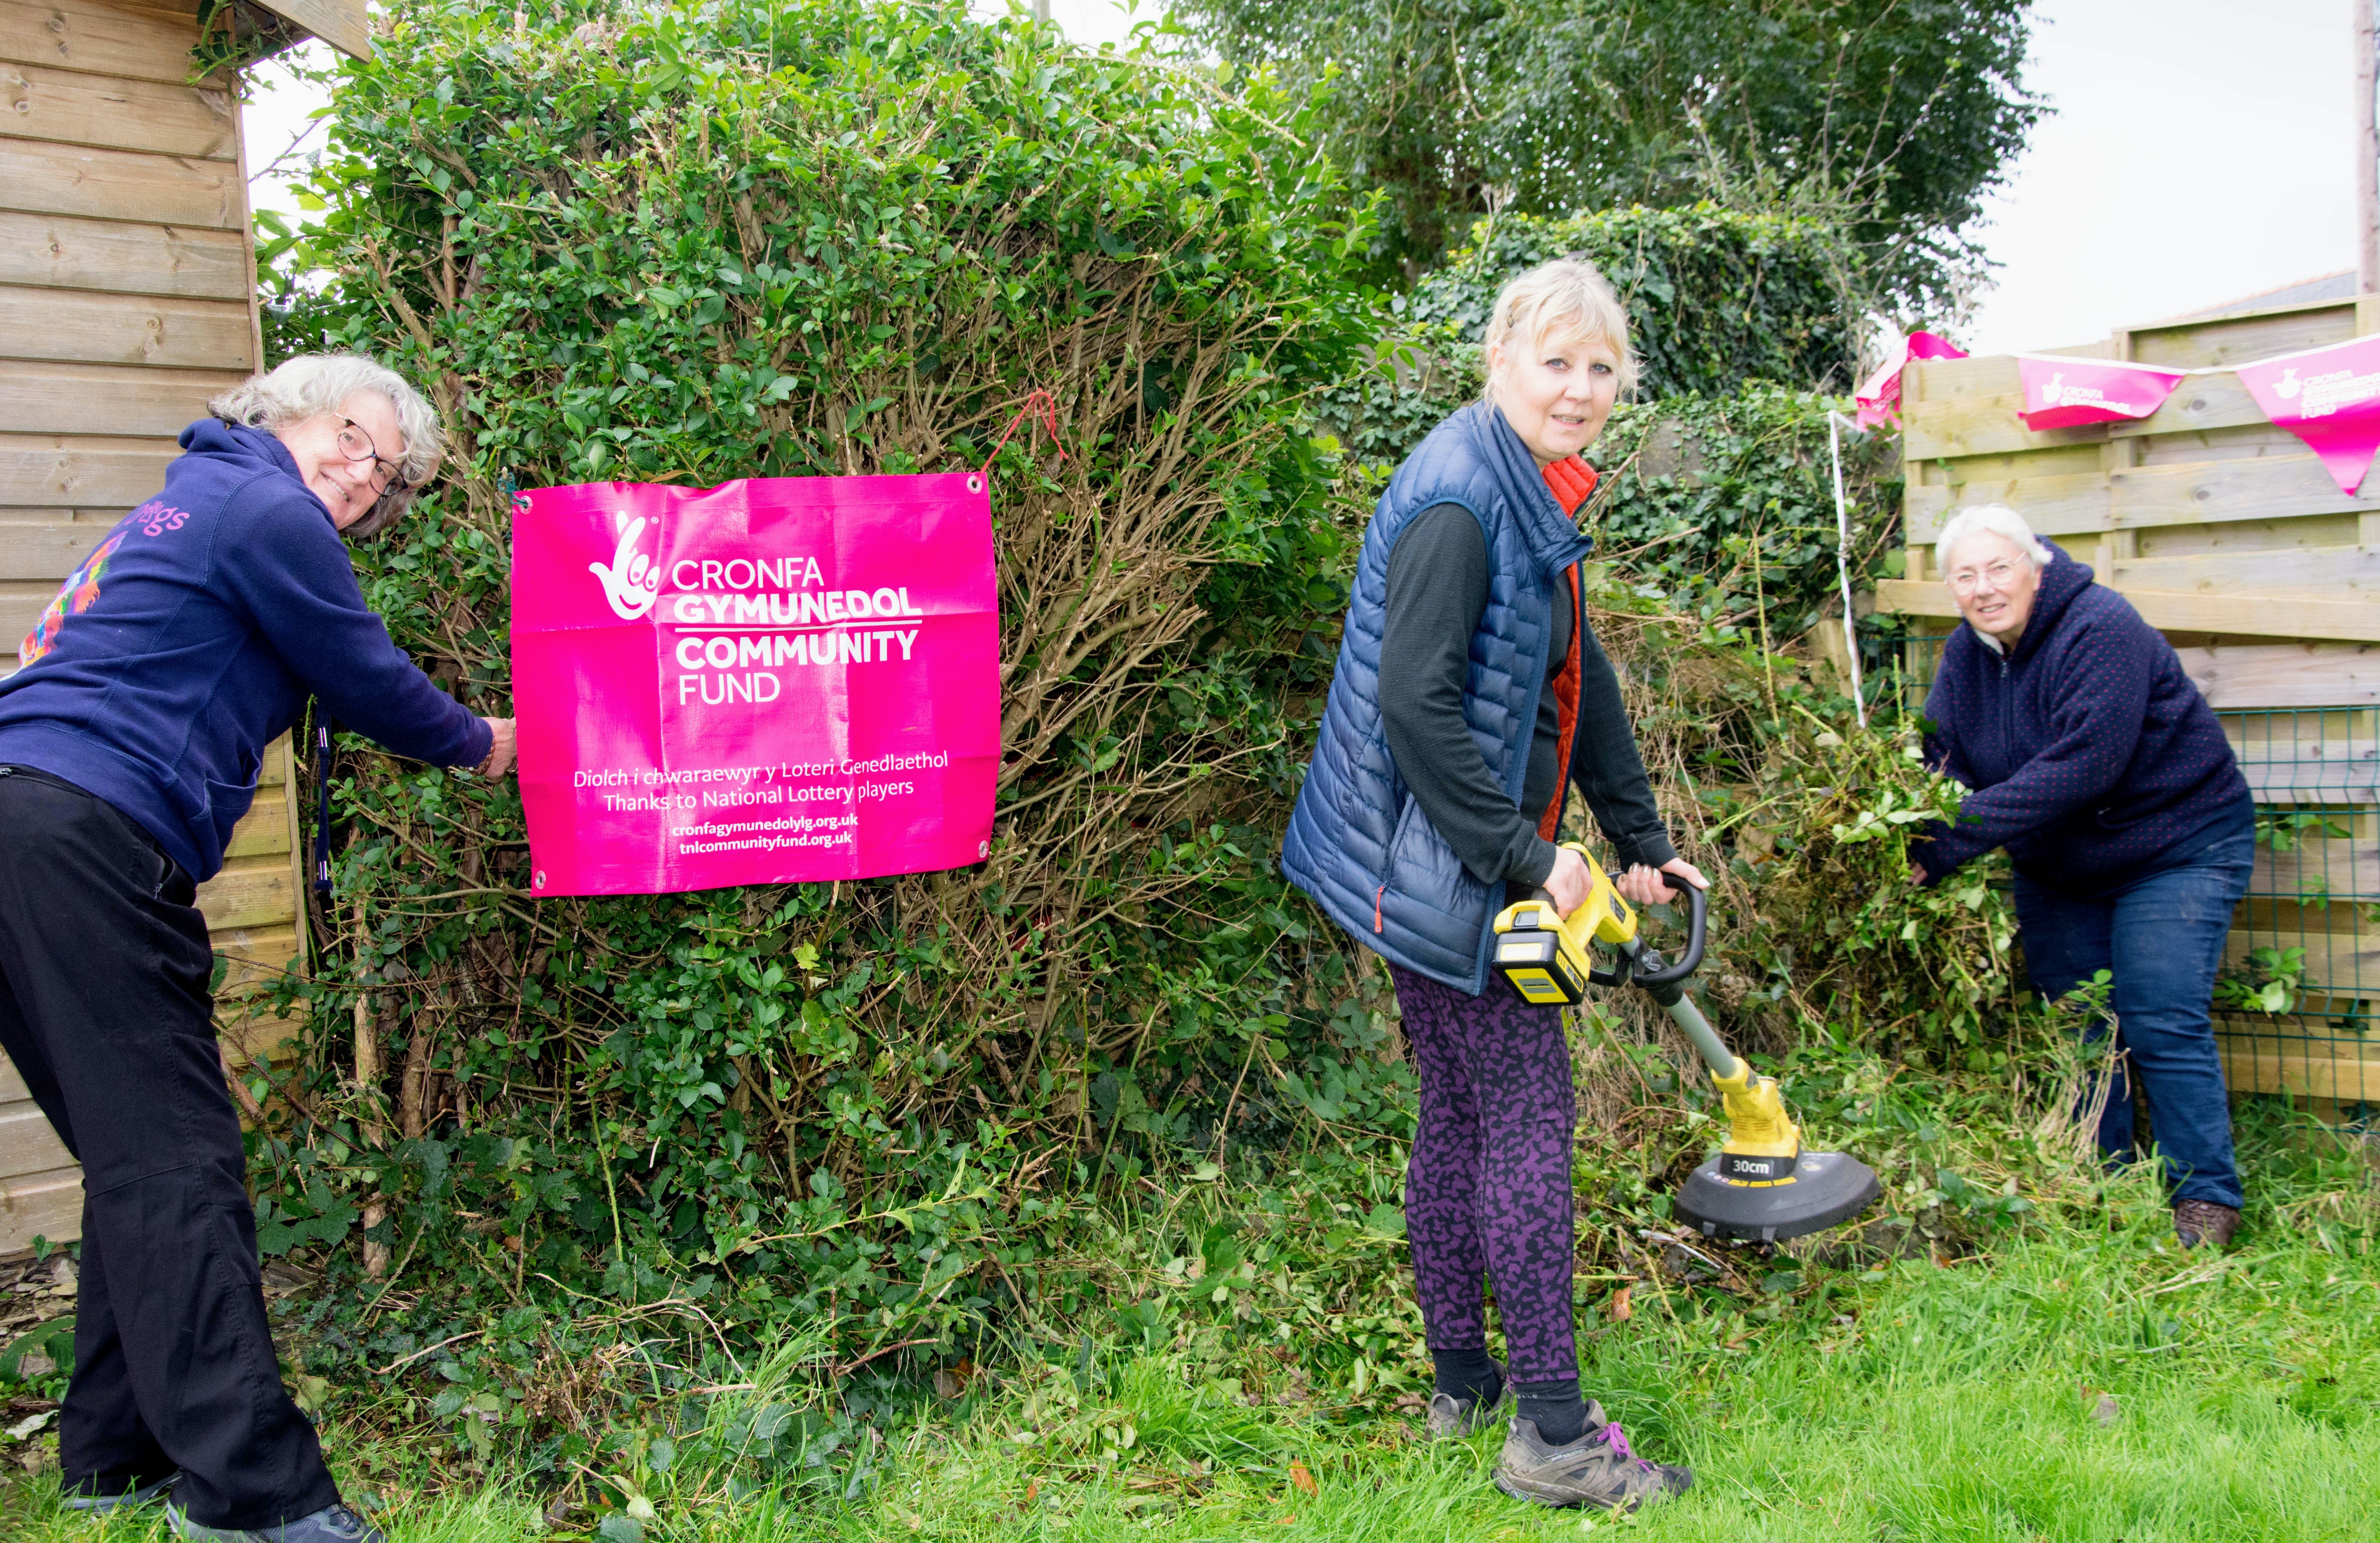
[[2197, 1222]]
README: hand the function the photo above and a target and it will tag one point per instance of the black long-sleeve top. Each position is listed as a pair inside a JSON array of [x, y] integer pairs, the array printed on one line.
[[1437, 590]]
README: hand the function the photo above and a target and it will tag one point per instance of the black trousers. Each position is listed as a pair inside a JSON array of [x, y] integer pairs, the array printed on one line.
[[104, 1008]]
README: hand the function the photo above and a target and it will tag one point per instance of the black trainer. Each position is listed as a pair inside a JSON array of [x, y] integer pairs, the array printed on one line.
[[333, 1523], [123, 1500]]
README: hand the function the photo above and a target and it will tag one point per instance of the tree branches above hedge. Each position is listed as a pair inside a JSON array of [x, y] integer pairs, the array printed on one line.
[[1904, 111]]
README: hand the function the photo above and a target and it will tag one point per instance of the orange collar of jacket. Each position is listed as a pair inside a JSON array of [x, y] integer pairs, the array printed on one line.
[[1571, 479]]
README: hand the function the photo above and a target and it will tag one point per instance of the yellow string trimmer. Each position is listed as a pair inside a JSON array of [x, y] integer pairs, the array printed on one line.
[[1762, 1184]]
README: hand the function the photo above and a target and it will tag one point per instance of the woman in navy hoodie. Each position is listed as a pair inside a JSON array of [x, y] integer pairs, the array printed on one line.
[[130, 739], [2096, 763]]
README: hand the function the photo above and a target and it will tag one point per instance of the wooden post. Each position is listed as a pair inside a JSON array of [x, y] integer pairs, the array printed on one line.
[[1042, 11], [2367, 153], [369, 1072]]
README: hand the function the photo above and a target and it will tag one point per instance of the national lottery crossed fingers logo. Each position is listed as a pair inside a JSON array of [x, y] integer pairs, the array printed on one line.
[[631, 581]]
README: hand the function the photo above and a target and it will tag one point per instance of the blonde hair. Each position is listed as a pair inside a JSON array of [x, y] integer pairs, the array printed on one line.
[[310, 385], [1569, 295], [1993, 520]]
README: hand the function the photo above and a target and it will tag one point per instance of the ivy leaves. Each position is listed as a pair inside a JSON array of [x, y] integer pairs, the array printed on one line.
[[1715, 296]]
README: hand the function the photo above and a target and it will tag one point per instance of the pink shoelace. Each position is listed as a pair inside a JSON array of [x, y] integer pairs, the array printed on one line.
[[1616, 1440]]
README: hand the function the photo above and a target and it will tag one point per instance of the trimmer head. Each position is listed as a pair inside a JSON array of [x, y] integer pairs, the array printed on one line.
[[1826, 1188]]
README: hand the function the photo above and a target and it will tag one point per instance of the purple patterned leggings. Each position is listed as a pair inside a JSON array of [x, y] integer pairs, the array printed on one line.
[[1487, 1195]]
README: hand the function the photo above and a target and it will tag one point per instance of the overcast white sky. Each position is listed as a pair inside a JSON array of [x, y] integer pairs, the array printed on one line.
[[2202, 150]]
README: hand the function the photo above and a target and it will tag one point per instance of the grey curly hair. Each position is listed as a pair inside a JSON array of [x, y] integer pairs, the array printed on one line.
[[311, 384]]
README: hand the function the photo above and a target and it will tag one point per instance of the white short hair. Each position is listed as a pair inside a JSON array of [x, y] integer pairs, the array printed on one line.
[[311, 384], [1995, 520]]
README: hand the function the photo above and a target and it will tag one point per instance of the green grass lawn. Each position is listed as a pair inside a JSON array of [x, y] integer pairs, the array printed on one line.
[[2076, 1378]]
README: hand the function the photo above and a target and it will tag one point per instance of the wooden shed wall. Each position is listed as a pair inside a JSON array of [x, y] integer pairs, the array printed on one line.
[[127, 297], [2228, 535]]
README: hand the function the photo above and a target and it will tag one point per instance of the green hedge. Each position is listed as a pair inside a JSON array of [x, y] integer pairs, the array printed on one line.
[[1715, 297], [1723, 506], [822, 237]]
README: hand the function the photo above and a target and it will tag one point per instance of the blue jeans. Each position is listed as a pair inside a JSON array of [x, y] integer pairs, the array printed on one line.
[[2161, 937]]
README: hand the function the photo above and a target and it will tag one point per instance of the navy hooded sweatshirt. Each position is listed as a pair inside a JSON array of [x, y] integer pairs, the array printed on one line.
[[2093, 757], [189, 639]]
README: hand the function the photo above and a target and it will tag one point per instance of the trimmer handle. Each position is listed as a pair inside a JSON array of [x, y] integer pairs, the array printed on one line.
[[1698, 925], [1617, 974]]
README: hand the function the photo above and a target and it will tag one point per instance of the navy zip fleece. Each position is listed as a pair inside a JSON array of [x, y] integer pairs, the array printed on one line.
[[190, 640], [2092, 756]]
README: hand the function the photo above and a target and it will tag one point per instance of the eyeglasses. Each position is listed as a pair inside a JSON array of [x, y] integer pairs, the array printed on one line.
[[357, 445], [1965, 581]]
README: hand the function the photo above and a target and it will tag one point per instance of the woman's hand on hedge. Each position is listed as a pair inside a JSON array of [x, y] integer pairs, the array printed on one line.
[[1645, 886], [500, 752]]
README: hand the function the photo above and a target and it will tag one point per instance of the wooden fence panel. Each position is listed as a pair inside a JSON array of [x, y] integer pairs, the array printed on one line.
[[120, 258], [78, 180], [62, 398], [69, 471], [91, 36], [57, 324], [69, 107]]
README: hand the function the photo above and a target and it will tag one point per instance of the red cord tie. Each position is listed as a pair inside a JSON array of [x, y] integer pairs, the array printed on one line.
[[1037, 402]]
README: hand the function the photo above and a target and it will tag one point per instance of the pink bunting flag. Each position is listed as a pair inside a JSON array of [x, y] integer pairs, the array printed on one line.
[[760, 682], [1879, 394], [2062, 391], [2328, 398]]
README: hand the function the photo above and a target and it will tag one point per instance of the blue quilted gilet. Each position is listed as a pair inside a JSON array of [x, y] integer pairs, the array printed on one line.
[[1358, 841]]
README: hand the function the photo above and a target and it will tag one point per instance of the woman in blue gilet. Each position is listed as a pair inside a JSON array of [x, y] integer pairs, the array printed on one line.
[[1469, 694]]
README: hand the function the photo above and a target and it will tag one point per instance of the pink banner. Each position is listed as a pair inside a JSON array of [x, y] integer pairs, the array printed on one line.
[[764, 682], [2328, 398], [1880, 395], [2062, 393]]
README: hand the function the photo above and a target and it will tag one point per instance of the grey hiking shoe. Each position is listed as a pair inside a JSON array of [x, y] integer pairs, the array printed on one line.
[[1451, 1419], [1597, 1469], [123, 1500], [332, 1524]]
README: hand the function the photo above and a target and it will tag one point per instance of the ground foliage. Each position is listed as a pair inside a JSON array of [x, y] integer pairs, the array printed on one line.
[[1253, 1366], [1897, 115]]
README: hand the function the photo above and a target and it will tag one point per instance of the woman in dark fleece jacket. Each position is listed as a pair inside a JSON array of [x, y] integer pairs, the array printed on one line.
[[2097, 764], [129, 744]]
